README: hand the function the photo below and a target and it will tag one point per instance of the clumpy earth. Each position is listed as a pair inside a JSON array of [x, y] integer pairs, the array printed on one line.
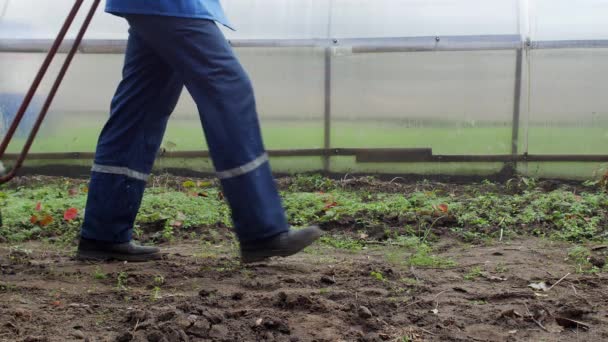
[[201, 293], [399, 279]]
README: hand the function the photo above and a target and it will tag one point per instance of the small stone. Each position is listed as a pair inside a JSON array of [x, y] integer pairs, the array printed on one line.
[[200, 329], [138, 315], [328, 280], [184, 322], [218, 332], [124, 337], [213, 317], [364, 312], [78, 334]]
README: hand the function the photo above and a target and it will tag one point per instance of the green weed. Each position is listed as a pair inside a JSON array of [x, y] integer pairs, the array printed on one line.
[[473, 274], [378, 276], [99, 274], [342, 242], [122, 281]]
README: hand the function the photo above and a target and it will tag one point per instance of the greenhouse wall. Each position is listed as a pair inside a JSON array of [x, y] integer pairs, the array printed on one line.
[[396, 87]]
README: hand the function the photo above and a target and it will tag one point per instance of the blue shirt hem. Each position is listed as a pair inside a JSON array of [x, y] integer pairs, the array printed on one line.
[[121, 11]]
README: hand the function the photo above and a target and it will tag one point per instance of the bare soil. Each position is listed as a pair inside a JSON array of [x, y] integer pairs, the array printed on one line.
[[200, 292]]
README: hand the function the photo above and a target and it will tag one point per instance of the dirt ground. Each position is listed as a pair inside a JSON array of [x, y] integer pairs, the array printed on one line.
[[200, 292]]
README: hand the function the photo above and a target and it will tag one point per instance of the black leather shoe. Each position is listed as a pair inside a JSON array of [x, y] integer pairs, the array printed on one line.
[[282, 245], [91, 250]]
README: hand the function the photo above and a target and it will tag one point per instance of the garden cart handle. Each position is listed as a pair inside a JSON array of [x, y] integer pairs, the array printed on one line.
[[36, 83]]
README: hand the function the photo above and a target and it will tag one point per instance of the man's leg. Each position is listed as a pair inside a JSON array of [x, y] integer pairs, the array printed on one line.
[[199, 53], [128, 146]]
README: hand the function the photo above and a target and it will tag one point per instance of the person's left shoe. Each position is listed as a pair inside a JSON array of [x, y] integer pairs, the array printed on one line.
[[91, 250], [282, 245]]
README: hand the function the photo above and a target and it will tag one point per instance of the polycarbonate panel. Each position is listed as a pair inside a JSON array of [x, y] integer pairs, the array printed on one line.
[[268, 19], [568, 20], [42, 19], [288, 84], [277, 19], [408, 18], [568, 102], [453, 102], [580, 171]]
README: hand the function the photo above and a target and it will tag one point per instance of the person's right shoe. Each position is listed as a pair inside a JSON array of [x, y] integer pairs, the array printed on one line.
[[282, 245], [90, 250]]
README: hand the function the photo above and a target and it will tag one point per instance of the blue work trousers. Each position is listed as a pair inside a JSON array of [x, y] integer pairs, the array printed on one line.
[[163, 55]]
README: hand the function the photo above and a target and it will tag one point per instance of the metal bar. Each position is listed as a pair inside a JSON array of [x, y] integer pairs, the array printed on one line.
[[53, 91], [438, 43], [327, 108], [38, 79], [394, 155], [516, 103], [569, 44], [398, 155], [360, 45]]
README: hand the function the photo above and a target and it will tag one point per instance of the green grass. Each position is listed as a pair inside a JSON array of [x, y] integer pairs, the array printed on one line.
[[473, 215], [473, 274], [187, 135]]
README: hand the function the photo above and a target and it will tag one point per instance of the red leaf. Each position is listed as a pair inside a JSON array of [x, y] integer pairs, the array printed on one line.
[[330, 205], [34, 219], [70, 214], [46, 220], [56, 303], [38, 206], [443, 207], [73, 191]]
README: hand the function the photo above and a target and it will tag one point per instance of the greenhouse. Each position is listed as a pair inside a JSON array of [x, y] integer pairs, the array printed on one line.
[[453, 153]]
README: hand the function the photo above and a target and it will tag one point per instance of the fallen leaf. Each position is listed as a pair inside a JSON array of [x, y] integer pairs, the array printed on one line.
[[73, 191], [512, 332], [85, 189], [177, 224], [363, 236], [330, 205], [541, 286], [70, 214], [443, 207], [34, 219], [46, 220], [258, 322], [220, 196], [180, 216], [38, 206], [56, 303], [202, 194], [435, 311]]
